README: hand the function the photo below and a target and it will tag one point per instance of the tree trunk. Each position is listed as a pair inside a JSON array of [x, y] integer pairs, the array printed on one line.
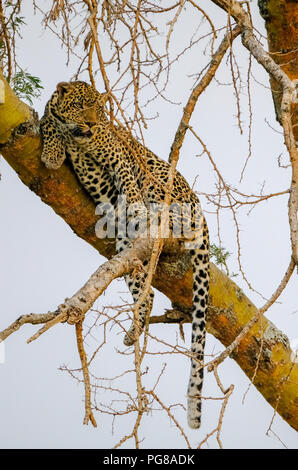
[[281, 21]]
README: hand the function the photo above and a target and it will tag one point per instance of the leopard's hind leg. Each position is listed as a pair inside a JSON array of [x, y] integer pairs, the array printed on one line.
[[136, 284]]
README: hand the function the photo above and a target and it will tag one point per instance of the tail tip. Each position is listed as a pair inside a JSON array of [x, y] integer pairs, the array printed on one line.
[[194, 412], [194, 422]]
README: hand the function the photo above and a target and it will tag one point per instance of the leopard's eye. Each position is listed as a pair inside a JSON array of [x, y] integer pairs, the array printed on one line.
[[78, 104]]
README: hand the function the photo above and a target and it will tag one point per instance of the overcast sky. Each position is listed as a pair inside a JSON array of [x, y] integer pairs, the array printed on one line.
[[43, 261]]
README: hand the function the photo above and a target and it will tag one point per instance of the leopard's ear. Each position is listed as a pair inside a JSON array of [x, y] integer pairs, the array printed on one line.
[[63, 87]]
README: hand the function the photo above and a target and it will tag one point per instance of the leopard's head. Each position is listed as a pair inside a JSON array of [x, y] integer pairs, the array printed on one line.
[[80, 108], [76, 113]]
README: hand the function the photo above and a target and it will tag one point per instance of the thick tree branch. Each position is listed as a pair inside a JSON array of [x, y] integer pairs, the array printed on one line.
[[281, 18], [229, 309]]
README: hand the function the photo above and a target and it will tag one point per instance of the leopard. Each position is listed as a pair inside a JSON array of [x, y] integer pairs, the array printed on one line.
[[110, 162]]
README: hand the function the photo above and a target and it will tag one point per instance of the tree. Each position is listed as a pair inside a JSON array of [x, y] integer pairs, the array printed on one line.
[[257, 346]]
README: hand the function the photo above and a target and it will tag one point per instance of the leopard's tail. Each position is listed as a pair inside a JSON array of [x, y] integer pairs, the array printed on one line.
[[200, 263]]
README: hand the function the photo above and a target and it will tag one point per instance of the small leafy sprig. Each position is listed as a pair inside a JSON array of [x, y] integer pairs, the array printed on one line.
[[26, 86], [220, 255]]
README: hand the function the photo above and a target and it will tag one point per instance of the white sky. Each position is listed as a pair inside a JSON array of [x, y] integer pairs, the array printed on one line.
[[42, 262]]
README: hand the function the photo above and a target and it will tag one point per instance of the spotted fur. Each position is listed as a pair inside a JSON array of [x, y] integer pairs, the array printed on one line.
[[108, 162]]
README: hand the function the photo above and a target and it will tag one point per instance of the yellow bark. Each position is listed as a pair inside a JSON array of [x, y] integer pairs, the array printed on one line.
[[13, 112], [229, 309]]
